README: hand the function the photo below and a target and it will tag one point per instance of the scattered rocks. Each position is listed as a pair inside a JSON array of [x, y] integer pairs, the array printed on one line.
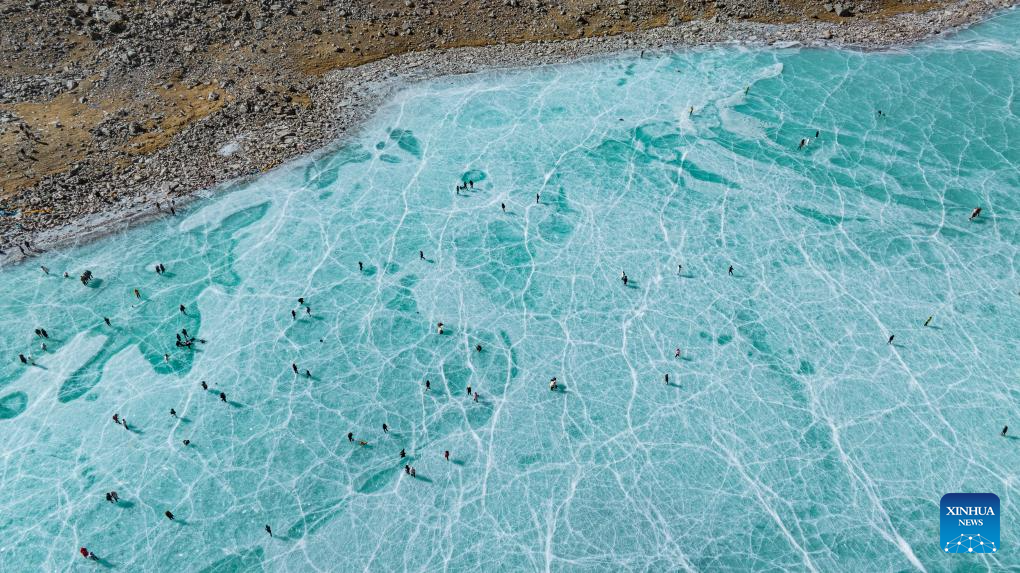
[[268, 116]]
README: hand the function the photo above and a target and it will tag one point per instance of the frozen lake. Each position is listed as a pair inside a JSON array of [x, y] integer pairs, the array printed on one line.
[[790, 436]]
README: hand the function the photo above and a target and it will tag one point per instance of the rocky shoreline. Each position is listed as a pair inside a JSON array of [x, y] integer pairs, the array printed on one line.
[[256, 130]]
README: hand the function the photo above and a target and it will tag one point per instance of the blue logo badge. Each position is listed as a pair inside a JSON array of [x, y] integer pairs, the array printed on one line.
[[969, 523]]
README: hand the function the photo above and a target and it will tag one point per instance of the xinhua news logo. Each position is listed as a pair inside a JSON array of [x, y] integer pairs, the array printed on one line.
[[969, 523]]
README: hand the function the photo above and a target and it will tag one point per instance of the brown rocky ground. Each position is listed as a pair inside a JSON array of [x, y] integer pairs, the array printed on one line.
[[106, 101]]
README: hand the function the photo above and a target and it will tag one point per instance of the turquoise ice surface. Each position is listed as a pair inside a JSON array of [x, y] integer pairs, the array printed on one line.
[[791, 436]]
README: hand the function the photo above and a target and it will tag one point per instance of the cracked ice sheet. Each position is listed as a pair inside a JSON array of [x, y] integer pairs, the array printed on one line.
[[791, 436]]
